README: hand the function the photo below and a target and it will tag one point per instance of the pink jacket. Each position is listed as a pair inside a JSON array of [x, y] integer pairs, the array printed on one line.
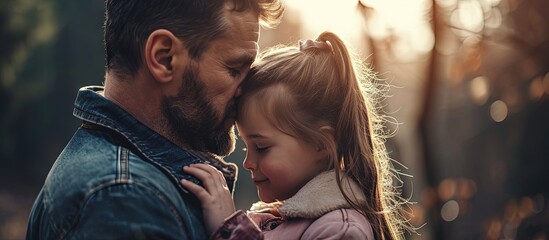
[[317, 211]]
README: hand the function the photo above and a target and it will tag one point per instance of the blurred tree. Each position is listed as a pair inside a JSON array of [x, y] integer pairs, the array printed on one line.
[[485, 108], [49, 50], [482, 112], [27, 29]]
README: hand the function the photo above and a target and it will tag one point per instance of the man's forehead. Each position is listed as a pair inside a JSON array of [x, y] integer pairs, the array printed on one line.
[[246, 22], [243, 34], [245, 57]]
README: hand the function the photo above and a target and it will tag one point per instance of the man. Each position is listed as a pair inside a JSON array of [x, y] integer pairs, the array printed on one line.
[[173, 72]]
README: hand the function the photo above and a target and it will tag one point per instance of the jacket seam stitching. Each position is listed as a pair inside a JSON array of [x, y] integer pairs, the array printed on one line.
[[122, 171]]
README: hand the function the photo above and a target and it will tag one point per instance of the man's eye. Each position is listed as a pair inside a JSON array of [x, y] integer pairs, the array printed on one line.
[[234, 72]]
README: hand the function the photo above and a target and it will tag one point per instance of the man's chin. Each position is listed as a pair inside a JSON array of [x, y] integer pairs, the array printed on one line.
[[224, 144], [228, 149]]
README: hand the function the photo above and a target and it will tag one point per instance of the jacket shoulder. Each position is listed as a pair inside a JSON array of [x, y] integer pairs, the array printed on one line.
[[340, 224]]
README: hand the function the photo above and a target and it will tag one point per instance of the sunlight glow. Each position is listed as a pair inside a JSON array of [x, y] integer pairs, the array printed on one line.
[[400, 14], [321, 15], [402, 21], [409, 44], [447, 4], [493, 3], [405, 23], [494, 19], [468, 17]]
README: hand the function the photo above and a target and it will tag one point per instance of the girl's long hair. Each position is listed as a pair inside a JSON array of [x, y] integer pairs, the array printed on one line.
[[303, 88]]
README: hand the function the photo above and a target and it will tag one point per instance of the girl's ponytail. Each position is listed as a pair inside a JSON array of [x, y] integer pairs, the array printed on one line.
[[360, 141]]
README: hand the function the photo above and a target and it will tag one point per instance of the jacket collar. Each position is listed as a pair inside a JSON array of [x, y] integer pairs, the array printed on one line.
[[318, 197], [93, 108]]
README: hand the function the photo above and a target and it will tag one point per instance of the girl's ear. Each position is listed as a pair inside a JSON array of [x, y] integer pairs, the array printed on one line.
[[328, 134], [326, 146]]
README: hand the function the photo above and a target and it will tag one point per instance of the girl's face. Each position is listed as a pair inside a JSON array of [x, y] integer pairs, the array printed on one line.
[[279, 163]]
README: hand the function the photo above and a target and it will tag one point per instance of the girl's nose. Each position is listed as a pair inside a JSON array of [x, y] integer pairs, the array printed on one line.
[[249, 163]]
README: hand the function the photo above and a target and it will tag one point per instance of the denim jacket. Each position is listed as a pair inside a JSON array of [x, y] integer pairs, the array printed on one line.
[[118, 179]]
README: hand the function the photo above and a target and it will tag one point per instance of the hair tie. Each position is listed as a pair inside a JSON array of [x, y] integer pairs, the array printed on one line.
[[304, 45]]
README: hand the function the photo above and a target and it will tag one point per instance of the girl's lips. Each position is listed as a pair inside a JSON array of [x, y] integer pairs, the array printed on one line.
[[259, 181]]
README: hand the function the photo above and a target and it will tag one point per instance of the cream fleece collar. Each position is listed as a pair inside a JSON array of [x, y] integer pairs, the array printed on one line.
[[318, 197]]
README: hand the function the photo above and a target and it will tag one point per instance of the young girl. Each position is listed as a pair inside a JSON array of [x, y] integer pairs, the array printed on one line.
[[315, 149]]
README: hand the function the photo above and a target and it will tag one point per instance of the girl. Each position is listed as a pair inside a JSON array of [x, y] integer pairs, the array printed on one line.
[[315, 149]]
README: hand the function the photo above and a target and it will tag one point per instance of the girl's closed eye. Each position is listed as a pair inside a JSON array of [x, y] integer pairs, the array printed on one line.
[[262, 149]]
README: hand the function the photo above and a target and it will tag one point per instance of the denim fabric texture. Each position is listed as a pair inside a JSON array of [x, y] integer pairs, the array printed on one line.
[[118, 179]]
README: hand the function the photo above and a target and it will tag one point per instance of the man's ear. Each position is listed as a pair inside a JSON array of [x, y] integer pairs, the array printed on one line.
[[161, 51]]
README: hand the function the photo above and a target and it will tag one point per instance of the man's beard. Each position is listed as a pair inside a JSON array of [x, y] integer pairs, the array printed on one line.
[[194, 120]]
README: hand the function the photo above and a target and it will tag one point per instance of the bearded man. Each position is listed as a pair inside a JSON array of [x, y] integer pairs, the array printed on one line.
[[174, 69]]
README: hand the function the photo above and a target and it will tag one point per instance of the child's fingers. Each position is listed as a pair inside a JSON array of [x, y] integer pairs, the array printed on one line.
[[214, 173], [196, 172], [197, 190], [211, 178]]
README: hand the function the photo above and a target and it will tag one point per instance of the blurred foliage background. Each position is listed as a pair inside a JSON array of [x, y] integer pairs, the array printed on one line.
[[470, 93]]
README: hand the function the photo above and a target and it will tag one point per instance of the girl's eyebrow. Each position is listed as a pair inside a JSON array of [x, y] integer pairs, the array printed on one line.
[[255, 136]]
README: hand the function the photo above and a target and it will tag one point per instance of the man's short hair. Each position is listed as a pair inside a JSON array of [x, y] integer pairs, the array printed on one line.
[[129, 23]]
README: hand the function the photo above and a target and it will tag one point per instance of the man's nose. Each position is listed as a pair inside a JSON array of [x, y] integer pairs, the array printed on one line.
[[238, 91]]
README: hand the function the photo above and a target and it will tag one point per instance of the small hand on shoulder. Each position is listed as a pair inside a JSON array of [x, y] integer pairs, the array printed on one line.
[[215, 196]]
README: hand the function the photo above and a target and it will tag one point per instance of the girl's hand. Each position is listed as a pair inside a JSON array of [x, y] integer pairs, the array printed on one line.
[[216, 199]]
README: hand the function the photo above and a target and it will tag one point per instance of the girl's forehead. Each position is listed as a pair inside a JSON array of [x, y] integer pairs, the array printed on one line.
[[270, 103], [253, 107]]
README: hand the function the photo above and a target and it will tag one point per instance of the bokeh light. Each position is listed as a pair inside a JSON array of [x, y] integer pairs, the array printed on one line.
[[511, 210], [498, 111], [494, 19], [526, 207], [466, 188], [479, 89], [429, 197], [447, 189], [494, 229], [468, 18], [416, 215], [450, 211], [536, 89]]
